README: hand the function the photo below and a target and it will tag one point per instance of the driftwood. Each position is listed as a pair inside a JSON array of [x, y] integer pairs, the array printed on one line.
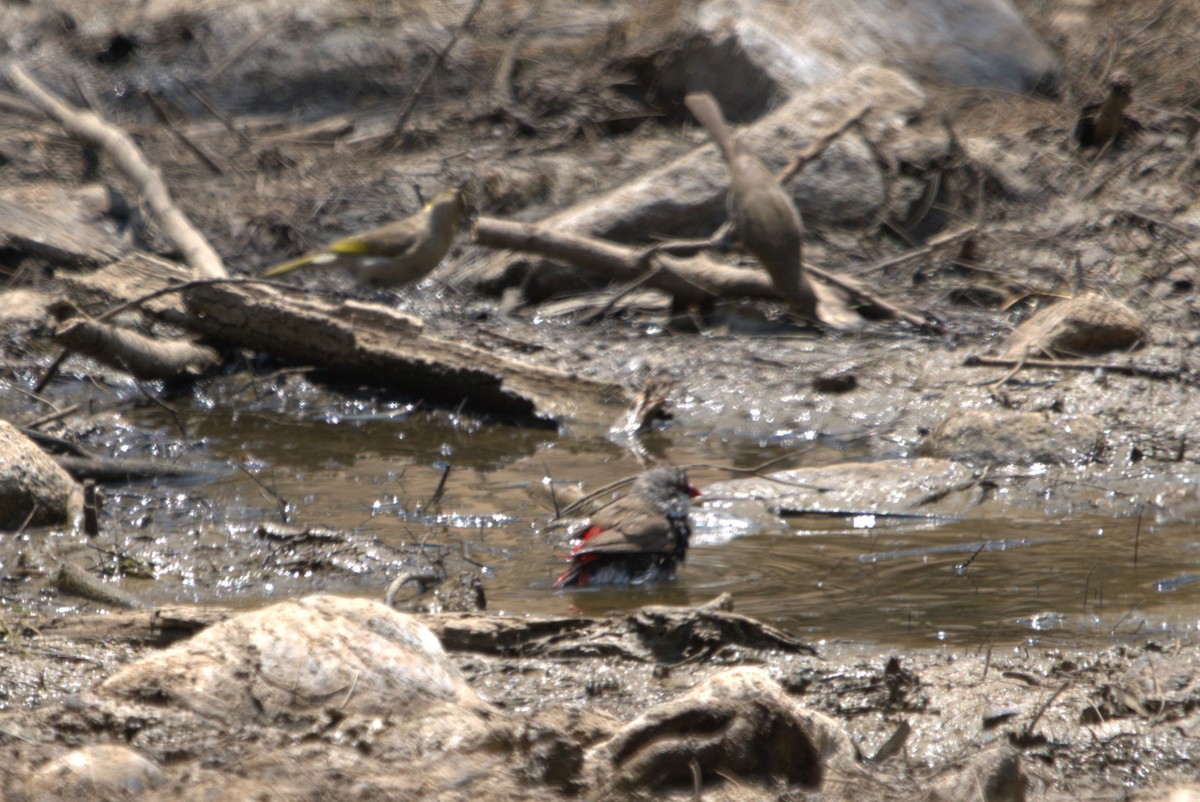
[[76, 581], [143, 356], [118, 145], [364, 348], [351, 340], [109, 470], [689, 280]]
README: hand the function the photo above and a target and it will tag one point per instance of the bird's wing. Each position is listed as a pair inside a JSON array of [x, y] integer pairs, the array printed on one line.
[[627, 529], [394, 239]]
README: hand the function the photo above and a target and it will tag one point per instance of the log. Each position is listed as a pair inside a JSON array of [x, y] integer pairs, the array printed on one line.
[[143, 356], [366, 343], [351, 340]]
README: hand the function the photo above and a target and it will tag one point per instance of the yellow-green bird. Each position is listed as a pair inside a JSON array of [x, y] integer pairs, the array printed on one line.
[[396, 254]]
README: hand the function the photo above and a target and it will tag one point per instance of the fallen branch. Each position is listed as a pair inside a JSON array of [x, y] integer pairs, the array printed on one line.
[[117, 144], [145, 357], [1129, 369], [690, 281], [108, 470], [82, 464]]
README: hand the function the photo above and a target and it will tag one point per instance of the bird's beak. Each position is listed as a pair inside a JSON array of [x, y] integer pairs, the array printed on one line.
[[693, 491]]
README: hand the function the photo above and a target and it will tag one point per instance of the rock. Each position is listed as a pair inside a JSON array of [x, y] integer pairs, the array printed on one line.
[[97, 772], [1001, 436], [739, 723], [973, 43], [303, 656], [1087, 324], [992, 776], [887, 486], [34, 490]]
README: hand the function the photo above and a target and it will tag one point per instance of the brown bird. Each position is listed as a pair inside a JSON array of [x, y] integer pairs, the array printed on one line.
[[764, 216], [638, 538], [396, 254]]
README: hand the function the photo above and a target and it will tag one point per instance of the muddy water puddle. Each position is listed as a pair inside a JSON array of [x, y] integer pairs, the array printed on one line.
[[369, 478]]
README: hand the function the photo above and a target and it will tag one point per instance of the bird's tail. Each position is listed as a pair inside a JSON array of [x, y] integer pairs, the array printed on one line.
[[288, 267], [706, 111], [574, 576]]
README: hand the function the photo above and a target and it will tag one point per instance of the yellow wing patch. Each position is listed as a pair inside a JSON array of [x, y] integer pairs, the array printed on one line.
[[349, 245]]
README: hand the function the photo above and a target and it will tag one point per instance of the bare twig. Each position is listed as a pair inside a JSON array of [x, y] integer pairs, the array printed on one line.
[[933, 244], [419, 87], [247, 44], [1128, 369], [612, 302], [922, 320], [440, 490], [818, 146], [1044, 707], [1137, 537], [164, 117]]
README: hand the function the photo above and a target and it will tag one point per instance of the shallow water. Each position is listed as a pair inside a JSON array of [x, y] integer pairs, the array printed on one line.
[[902, 581]]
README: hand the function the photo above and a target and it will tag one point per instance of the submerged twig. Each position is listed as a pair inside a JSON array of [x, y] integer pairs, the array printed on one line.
[[1129, 369]]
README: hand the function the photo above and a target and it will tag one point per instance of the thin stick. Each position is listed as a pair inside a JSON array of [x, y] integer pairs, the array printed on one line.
[[1144, 371], [164, 117], [418, 89], [922, 320], [1117, 170], [928, 248], [1137, 537], [818, 146], [213, 109], [53, 416], [1045, 706], [440, 489], [248, 43], [631, 287]]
